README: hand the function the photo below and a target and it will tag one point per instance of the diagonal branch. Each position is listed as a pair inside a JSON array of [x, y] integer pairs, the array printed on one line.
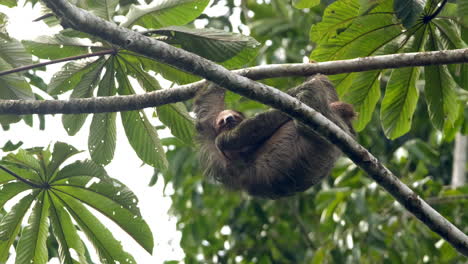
[[185, 92], [88, 23]]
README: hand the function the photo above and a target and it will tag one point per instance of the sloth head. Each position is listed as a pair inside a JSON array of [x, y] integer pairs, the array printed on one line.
[[227, 120]]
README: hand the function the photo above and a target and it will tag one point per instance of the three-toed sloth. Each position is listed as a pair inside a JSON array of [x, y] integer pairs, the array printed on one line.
[[269, 155]]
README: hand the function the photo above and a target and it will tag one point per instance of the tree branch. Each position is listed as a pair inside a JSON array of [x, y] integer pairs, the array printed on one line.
[[88, 23], [185, 92]]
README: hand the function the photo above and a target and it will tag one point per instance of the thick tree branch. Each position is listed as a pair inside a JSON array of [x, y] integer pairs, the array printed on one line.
[[185, 92], [86, 22]]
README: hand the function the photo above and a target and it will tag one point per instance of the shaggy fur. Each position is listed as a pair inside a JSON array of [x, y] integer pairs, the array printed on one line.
[[269, 155]]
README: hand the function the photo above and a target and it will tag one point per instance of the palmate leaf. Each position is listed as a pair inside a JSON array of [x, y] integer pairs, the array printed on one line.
[[66, 234], [366, 36], [32, 247], [165, 13], [59, 46], [81, 172], [61, 153], [439, 91], [69, 76], [401, 95], [11, 223], [109, 249], [83, 89], [102, 132], [132, 223], [229, 49], [62, 193], [140, 132], [103, 9]]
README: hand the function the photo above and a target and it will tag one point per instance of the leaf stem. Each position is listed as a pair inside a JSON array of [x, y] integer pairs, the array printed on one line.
[[30, 183], [32, 66]]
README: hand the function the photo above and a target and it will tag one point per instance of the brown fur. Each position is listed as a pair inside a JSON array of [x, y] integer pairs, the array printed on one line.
[[269, 155]]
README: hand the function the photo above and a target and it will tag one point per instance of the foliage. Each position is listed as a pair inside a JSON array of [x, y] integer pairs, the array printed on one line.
[[347, 218], [56, 193]]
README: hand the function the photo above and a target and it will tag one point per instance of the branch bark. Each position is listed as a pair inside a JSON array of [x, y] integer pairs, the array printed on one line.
[[86, 22], [185, 92]]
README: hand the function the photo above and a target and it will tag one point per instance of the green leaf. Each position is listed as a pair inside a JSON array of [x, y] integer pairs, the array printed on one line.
[[177, 118], [14, 54], [165, 13], [83, 174], [9, 3], [408, 11], [32, 247], [66, 234], [132, 223], [166, 71], [423, 152], [83, 89], [102, 132], [10, 190], [336, 19], [59, 46], [103, 8], [10, 146], [11, 224], [70, 76], [365, 36], [305, 3], [140, 132], [109, 249], [14, 86], [230, 49], [399, 102], [439, 91], [364, 94], [402, 95], [25, 160], [62, 151]]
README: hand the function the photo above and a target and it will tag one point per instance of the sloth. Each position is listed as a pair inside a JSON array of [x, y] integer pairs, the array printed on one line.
[[269, 155]]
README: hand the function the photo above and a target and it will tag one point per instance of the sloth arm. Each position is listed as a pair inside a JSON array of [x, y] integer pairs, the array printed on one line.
[[252, 131], [207, 104]]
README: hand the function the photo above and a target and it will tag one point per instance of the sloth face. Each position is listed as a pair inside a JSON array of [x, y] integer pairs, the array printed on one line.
[[227, 120]]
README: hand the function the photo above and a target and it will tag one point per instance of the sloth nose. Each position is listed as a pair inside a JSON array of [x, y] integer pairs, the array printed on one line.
[[229, 119]]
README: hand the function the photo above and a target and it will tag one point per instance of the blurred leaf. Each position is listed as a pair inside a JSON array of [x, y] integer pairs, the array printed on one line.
[[408, 11], [165, 13], [230, 49], [10, 146], [440, 91], [305, 3], [59, 46]]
